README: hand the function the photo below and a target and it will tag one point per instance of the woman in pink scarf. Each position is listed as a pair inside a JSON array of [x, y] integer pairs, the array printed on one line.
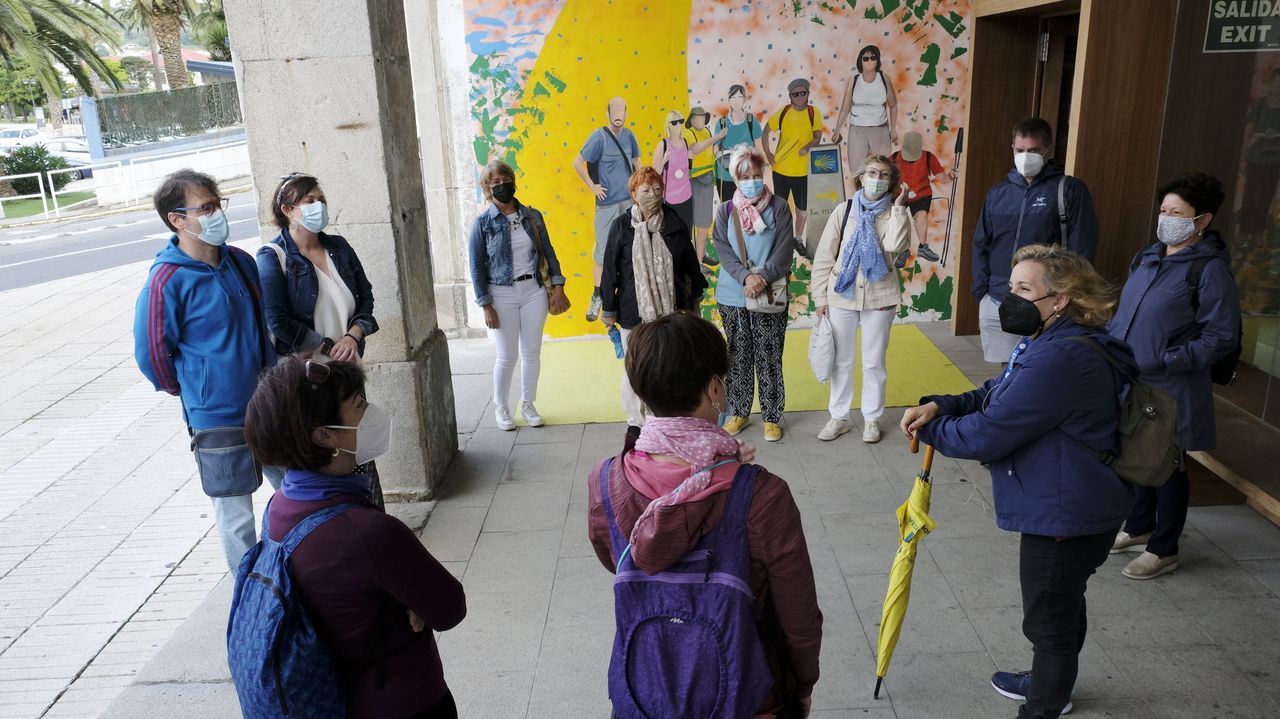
[[674, 485]]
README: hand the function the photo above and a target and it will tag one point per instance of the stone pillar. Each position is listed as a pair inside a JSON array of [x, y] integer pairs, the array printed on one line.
[[330, 93]]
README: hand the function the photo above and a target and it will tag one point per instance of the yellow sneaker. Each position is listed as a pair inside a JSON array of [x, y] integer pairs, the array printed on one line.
[[735, 424], [772, 432]]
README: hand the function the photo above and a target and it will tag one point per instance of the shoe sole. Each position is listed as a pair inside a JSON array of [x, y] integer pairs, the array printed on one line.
[[533, 423], [1019, 698], [507, 428], [869, 440], [773, 439], [834, 436], [1129, 548], [740, 430], [1163, 570]]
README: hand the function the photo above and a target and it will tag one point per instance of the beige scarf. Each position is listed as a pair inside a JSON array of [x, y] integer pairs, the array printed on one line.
[[651, 262]]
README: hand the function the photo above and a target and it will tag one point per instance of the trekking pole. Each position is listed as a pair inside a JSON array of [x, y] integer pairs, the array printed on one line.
[[951, 203]]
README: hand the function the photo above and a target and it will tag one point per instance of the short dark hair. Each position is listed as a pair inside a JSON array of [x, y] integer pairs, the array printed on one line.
[[286, 407], [292, 188], [737, 90], [172, 192], [672, 359], [874, 51], [1201, 191], [1035, 128]]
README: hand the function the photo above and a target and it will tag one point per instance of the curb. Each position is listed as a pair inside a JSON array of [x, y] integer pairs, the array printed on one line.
[[106, 213]]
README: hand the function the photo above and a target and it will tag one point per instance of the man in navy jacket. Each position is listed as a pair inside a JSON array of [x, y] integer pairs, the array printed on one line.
[[1024, 210]]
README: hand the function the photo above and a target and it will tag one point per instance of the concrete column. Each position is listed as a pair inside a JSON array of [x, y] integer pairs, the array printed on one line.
[[330, 93]]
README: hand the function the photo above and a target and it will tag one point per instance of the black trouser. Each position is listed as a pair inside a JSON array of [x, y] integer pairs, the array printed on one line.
[[1163, 512], [1053, 574], [443, 709]]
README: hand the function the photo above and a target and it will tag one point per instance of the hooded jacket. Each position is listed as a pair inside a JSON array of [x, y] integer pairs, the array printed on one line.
[[1173, 342], [198, 332], [781, 574], [1015, 214], [1041, 426]]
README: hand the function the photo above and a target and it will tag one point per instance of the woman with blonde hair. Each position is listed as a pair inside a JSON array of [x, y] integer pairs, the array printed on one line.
[[753, 236], [855, 284], [1044, 426], [673, 156], [508, 248]]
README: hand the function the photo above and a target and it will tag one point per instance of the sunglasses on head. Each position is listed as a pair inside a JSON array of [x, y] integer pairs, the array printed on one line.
[[317, 372]]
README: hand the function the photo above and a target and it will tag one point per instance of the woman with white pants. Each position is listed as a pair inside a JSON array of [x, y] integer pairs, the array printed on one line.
[[855, 284], [512, 262]]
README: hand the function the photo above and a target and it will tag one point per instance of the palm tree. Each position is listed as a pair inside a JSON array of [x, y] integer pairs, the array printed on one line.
[[163, 20], [47, 33], [209, 26]]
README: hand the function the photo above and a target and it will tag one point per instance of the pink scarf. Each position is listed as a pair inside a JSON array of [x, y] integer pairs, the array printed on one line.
[[749, 210], [696, 441]]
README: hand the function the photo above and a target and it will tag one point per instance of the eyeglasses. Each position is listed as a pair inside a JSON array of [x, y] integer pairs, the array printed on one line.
[[208, 208], [869, 57], [676, 121], [802, 93], [317, 372]]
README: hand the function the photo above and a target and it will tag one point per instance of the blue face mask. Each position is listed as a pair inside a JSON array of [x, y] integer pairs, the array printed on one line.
[[315, 216], [214, 229], [751, 189]]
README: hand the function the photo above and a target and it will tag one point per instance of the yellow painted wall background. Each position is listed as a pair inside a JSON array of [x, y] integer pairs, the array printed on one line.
[[542, 72]]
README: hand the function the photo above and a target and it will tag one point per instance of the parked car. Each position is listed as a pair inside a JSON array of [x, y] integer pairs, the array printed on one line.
[[74, 150], [14, 137]]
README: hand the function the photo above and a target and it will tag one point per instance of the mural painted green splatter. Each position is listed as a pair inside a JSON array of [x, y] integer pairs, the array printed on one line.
[[952, 23], [496, 85], [886, 9], [930, 58]]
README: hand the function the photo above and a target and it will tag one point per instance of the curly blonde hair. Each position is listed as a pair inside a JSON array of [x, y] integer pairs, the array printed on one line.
[[1066, 273]]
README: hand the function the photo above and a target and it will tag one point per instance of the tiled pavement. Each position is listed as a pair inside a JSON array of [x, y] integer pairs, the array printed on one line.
[[105, 550]]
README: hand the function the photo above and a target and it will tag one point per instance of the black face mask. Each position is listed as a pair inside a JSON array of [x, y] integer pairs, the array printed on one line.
[[504, 192], [1020, 316]]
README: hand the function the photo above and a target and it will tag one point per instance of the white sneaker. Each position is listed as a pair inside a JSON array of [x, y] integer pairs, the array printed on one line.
[[502, 416], [834, 428], [871, 432], [530, 414]]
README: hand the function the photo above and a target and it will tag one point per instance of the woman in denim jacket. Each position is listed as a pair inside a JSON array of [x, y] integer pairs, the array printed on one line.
[[507, 245], [316, 294]]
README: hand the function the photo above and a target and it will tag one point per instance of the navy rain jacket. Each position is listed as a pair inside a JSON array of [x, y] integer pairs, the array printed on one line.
[[1173, 342], [1016, 214], [1042, 426]]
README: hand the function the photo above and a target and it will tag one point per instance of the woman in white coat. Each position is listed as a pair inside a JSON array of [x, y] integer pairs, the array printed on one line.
[[855, 283]]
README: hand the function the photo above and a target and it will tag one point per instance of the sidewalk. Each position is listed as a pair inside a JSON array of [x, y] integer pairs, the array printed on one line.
[[108, 569]]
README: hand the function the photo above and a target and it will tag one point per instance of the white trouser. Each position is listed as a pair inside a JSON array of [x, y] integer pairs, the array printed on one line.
[[522, 314], [997, 344], [631, 404], [875, 342], [234, 518]]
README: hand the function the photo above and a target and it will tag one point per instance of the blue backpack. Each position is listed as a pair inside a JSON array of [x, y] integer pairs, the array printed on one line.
[[280, 665], [686, 643]]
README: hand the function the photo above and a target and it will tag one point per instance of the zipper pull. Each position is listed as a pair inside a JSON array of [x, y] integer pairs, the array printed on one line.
[[707, 577]]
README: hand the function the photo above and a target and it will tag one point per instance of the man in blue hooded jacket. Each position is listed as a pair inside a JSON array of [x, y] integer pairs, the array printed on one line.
[[1023, 210], [198, 328]]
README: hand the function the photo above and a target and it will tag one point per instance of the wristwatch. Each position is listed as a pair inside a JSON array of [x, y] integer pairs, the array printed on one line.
[[326, 346]]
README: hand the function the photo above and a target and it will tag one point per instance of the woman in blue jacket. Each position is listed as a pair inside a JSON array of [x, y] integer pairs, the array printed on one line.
[[1042, 426], [1180, 312]]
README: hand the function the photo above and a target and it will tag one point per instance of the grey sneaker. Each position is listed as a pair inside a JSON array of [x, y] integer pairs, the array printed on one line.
[[871, 432], [834, 428], [1126, 542], [502, 416], [926, 253], [530, 414], [593, 309]]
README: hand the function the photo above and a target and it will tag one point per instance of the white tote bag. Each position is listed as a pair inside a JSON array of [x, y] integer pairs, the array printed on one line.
[[822, 350]]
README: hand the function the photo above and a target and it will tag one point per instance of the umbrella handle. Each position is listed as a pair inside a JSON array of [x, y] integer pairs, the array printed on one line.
[[928, 455]]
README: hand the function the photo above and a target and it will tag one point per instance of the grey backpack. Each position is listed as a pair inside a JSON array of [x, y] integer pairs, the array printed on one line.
[[1148, 448]]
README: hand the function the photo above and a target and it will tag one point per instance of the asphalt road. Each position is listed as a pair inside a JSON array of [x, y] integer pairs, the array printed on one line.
[[31, 255]]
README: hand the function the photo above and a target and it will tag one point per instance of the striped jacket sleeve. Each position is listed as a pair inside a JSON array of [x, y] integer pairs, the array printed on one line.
[[155, 330]]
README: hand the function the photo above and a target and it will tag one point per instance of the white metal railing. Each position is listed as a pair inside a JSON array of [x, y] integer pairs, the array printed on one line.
[[53, 187], [40, 180]]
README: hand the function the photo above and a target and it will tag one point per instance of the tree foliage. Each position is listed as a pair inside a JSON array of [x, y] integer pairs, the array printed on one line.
[[47, 33]]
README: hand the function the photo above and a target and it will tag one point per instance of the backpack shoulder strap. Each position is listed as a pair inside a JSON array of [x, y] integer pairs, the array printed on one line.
[[1137, 260], [619, 543], [625, 157], [782, 116], [811, 117], [1194, 273], [1093, 345], [1062, 209], [279, 254], [310, 524], [254, 292], [844, 221], [740, 494]]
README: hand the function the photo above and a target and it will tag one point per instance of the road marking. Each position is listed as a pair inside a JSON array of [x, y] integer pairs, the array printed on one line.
[[148, 238]]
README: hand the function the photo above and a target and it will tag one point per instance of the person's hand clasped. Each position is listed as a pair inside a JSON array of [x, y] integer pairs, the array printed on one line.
[[490, 317], [345, 350], [916, 417], [754, 285], [558, 302]]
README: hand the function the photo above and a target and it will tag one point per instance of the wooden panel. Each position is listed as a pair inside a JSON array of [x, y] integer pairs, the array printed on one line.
[[1114, 142], [1247, 454], [1001, 92], [1037, 8]]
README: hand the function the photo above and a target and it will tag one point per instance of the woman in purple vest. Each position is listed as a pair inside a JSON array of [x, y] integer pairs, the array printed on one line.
[[374, 592]]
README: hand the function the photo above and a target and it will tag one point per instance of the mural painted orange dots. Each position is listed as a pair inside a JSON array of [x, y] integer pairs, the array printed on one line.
[[595, 50]]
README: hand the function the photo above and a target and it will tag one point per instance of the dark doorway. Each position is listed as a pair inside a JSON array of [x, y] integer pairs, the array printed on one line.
[[1055, 76]]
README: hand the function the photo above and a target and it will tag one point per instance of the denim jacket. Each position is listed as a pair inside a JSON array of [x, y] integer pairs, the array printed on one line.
[[290, 296], [489, 247]]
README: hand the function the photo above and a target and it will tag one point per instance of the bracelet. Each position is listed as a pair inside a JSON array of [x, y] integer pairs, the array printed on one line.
[[353, 337]]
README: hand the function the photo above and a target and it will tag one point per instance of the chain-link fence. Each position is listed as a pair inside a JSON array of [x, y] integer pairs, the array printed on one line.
[[152, 116]]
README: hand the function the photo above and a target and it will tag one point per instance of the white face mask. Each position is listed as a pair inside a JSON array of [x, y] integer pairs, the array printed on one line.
[[315, 216], [873, 189], [1174, 231], [1029, 164], [373, 434], [214, 229]]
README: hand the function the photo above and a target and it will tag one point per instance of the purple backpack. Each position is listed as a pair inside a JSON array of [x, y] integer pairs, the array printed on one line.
[[687, 643]]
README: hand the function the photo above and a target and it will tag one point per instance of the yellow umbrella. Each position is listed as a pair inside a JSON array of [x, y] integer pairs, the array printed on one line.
[[913, 523]]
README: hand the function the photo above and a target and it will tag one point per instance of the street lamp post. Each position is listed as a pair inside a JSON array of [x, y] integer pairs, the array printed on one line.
[[31, 94]]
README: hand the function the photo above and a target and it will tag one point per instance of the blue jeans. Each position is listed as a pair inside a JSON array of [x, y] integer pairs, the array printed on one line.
[[234, 517]]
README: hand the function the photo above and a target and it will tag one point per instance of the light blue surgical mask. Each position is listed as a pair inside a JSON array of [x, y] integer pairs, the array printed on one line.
[[214, 229], [751, 189], [874, 188], [315, 216]]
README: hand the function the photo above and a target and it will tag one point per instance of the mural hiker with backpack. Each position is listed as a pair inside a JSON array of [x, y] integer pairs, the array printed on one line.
[[334, 611], [717, 612], [674, 157], [870, 105], [795, 128], [1180, 312]]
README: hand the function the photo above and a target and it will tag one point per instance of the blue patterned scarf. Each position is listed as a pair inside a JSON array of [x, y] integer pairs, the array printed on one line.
[[865, 254], [307, 486]]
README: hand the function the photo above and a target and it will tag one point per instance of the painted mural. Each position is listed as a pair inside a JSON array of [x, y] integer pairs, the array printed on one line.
[[542, 72]]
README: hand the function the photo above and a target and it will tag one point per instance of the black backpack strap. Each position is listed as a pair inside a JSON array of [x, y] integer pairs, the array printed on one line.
[[1193, 280], [1137, 260], [253, 296], [848, 209], [1062, 209], [625, 156]]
